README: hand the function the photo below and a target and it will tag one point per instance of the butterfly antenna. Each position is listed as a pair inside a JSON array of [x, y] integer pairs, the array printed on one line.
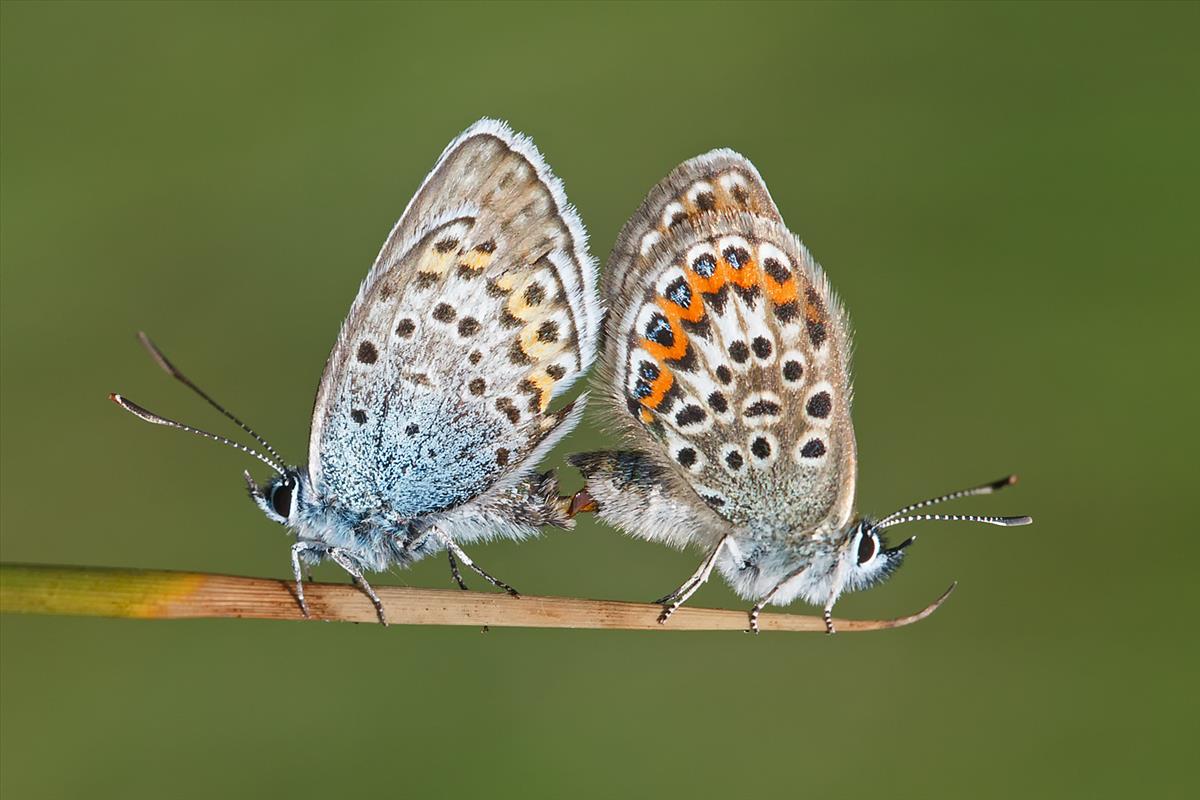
[[1004, 522], [170, 369], [150, 416], [987, 488]]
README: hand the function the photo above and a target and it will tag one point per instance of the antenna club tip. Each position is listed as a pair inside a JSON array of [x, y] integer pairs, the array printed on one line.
[[116, 398], [1003, 483]]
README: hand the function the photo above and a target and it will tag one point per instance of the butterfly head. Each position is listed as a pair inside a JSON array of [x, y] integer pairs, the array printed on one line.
[[869, 560], [280, 498], [866, 558]]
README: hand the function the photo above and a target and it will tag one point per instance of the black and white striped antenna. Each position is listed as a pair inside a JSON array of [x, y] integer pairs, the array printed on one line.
[[899, 517], [274, 460]]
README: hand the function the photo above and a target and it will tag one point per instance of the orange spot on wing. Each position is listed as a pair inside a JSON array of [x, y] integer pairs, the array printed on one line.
[[814, 308], [659, 387], [676, 312], [745, 277], [475, 260], [713, 283], [780, 293], [678, 347]]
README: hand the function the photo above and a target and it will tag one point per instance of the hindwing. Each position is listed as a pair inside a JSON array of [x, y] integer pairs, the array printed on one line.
[[727, 352]]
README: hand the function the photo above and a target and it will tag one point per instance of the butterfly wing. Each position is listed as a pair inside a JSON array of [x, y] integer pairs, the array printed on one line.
[[479, 310], [727, 354]]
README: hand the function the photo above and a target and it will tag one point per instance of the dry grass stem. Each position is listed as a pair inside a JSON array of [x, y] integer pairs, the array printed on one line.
[[156, 594]]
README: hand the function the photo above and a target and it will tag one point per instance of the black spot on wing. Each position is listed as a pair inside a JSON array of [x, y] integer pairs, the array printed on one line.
[[787, 312], [778, 272], [679, 293], [367, 353], [819, 405], [704, 265], [517, 354], [658, 330], [690, 415], [813, 448], [506, 406], [736, 257], [816, 332], [763, 408], [535, 294]]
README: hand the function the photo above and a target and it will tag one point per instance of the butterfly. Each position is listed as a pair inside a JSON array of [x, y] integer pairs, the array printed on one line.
[[435, 404], [726, 365]]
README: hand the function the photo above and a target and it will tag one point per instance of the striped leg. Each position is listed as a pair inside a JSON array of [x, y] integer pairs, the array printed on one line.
[[680, 596], [454, 573], [457, 552], [346, 562], [298, 572], [761, 604]]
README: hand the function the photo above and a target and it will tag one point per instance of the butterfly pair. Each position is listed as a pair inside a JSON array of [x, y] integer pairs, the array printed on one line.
[[725, 358]]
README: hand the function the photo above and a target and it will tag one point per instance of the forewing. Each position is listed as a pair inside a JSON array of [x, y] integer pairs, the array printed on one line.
[[478, 311], [727, 352]]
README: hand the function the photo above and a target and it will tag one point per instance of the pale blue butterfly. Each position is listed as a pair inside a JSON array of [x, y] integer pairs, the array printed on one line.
[[433, 410]]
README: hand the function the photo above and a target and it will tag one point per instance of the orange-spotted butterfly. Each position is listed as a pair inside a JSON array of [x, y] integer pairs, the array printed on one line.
[[727, 360]]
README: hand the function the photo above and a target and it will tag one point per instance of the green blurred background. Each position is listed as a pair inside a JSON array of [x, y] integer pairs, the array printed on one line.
[[1005, 195]]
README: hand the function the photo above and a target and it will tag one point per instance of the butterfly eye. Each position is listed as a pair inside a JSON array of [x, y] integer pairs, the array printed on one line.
[[867, 546], [281, 497]]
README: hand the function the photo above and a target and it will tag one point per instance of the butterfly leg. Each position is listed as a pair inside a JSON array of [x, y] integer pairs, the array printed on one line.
[[698, 579], [457, 552], [347, 563], [298, 573], [762, 603], [454, 573]]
